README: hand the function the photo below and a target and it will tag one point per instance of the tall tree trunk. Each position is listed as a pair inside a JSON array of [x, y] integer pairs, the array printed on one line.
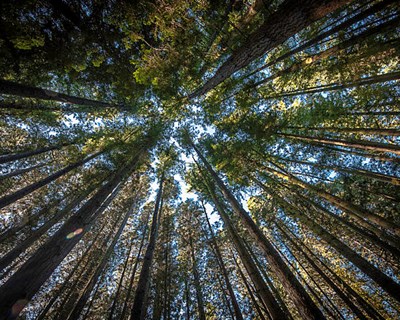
[[236, 308], [272, 33], [8, 199], [386, 283], [133, 274], [364, 131], [358, 144], [197, 285], [269, 282], [22, 90], [261, 287], [306, 306], [356, 171], [24, 283], [66, 282], [349, 291], [338, 86], [100, 268], [26, 154], [249, 290], [30, 240], [346, 299], [21, 171], [354, 211], [139, 305]]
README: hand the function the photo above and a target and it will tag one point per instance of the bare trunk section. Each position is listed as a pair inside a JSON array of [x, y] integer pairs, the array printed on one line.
[[26, 154], [386, 283], [8, 199], [21, 90], [26, 243], [139, 309], [236, 308]]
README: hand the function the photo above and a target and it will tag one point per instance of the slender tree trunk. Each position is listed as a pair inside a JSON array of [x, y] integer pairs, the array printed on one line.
[[26, 154], [21, 90], [56, 295], [356, 212], [306, 306], [100, 268], [132, 278], [364, 131], [250, 291], [139, 305], [349, 291], [24, 283], [26, 243], [272, 33], [356, 171], [261, 287], [115, 300], [269, 282], [8, 199], [322, 274], [21, 171], [197, 285], [236, 308], [394, 76], [386, 283]]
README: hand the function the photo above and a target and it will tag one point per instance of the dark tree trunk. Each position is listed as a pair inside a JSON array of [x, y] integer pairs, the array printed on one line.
[[272, 33], [323, 275], [21, 171], [26, 243], [261, 287], [133, 274], [386, 283], [8, 199], [21, 90], [305, 304], [197, 285], [22, 155], [236, 308], [139, 305], [25, 283], [100, 268]]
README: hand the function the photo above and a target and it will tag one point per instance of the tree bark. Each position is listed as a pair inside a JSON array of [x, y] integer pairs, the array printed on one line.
[[11, 256], [261, 287], [8, 199], [272, 33], [344, 25], [306, 306], [386, 283], [22, 155], [75, 313], [24, 283], [236, 308], [21, 90], [197, 285], [139, 305], [346, 299], [132, 278]]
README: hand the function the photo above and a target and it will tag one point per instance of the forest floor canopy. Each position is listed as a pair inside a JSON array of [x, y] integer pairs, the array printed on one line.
[[179, 159]]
